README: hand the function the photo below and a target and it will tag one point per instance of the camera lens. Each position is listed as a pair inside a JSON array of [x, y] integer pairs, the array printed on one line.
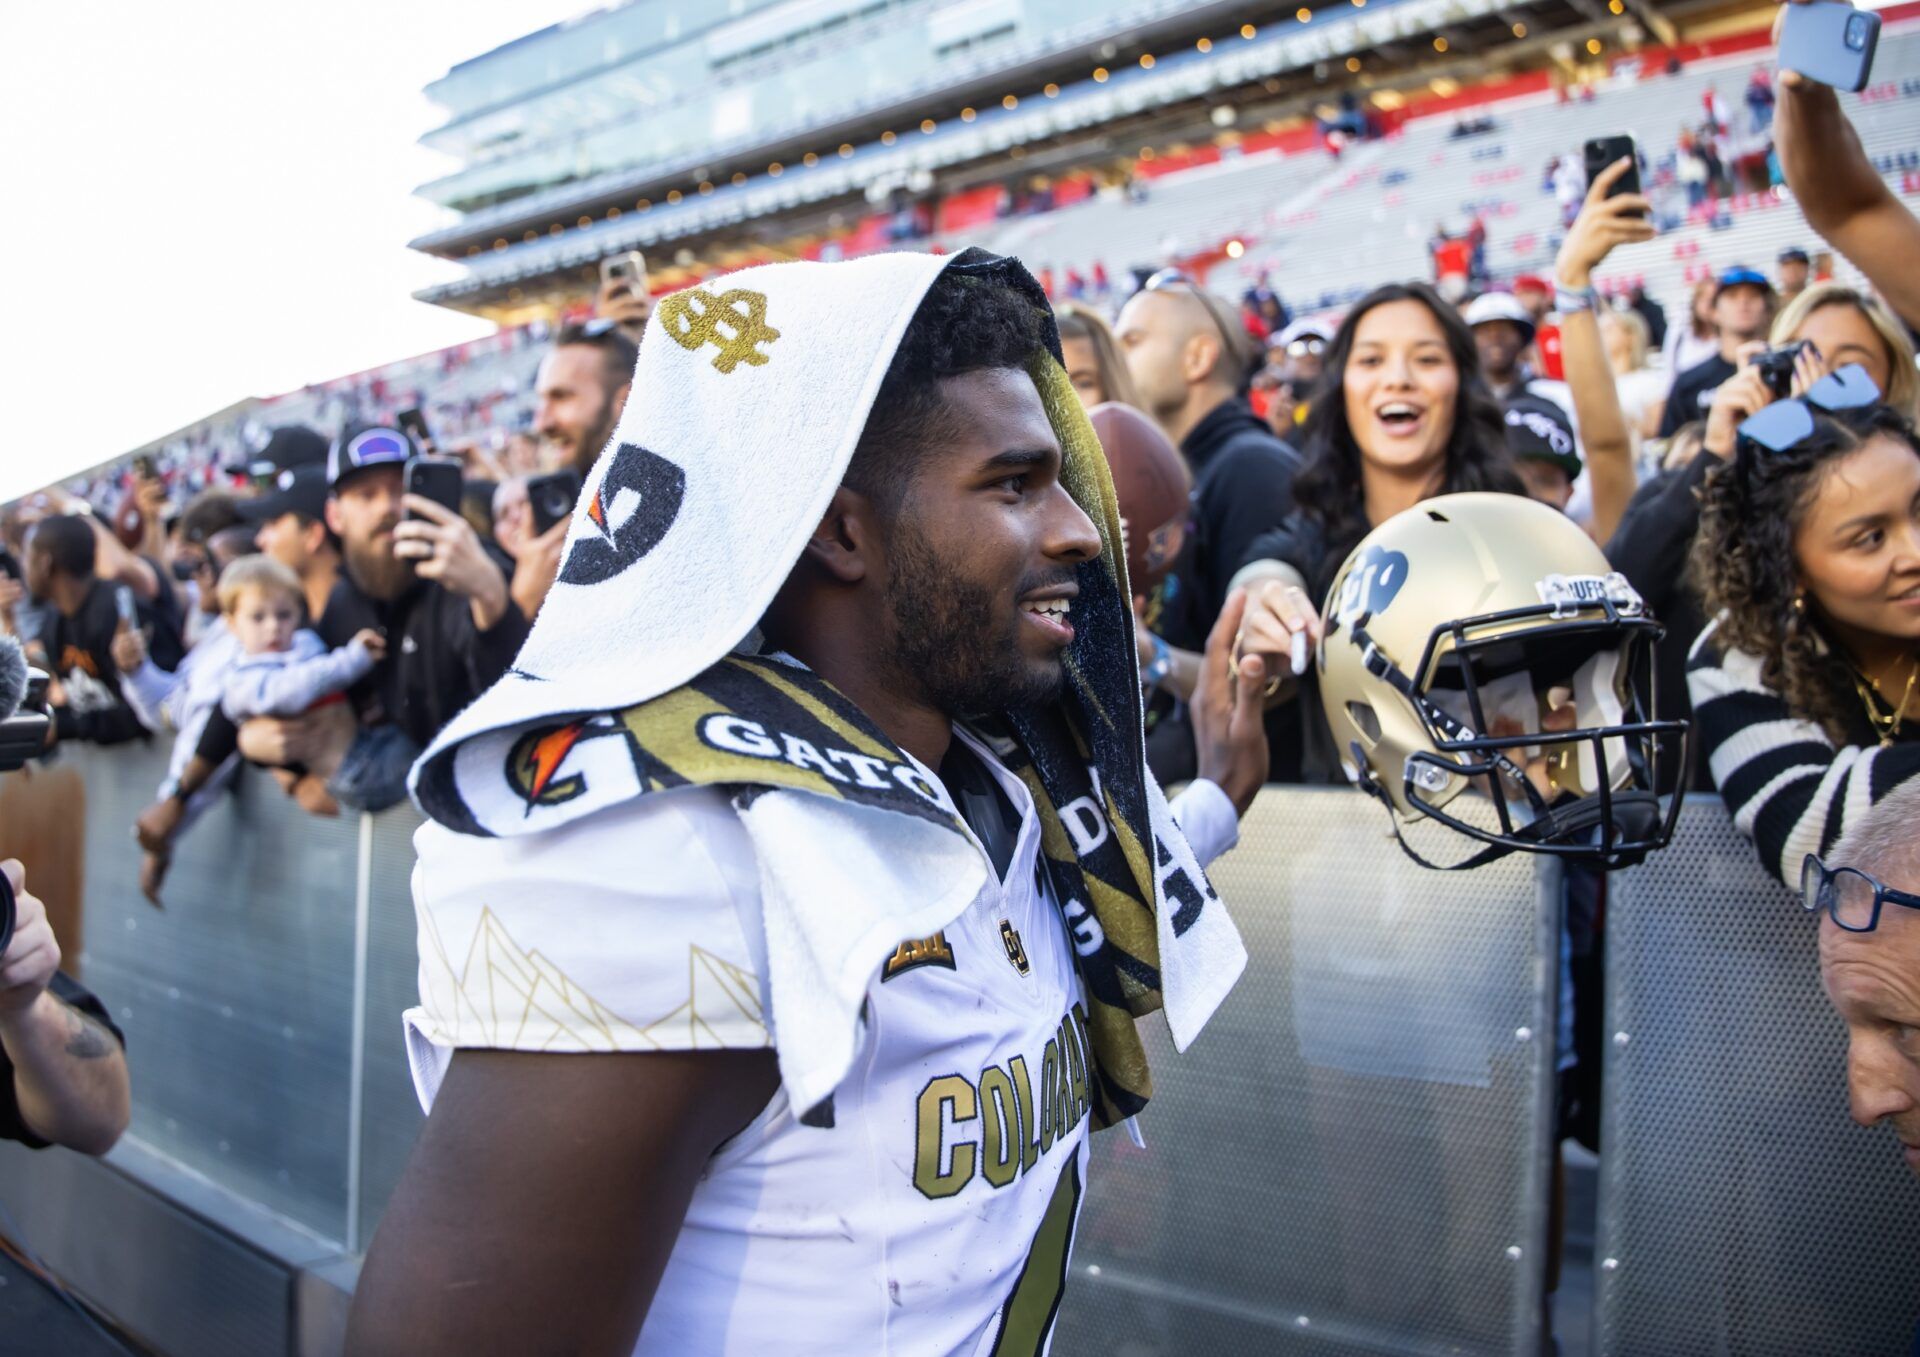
[[1856, 33]]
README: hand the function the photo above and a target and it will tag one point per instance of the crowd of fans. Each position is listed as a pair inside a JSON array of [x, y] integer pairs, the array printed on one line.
[[303, 612], [1751, 468], [383, 612]]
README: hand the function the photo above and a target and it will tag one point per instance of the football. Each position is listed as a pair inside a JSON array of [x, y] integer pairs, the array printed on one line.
[[1151, 481]]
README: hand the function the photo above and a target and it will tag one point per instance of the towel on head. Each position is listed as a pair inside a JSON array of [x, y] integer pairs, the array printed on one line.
[[642, 674]]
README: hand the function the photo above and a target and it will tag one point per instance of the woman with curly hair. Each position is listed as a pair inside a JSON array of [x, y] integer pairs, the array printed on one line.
[[1806, 685], [1402, 415]]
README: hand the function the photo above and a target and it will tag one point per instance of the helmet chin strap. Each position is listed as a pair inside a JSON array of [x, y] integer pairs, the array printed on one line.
[[1491, 853]]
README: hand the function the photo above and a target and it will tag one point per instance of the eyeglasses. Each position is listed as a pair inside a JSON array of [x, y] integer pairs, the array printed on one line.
[[1786, 424], [1306, 348], [1850, 895]]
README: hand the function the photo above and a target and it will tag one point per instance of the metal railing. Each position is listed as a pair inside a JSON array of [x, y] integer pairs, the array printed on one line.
[[1352, 1158]]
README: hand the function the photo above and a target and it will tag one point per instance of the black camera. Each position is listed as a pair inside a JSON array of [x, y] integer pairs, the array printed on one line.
[[22, 736], [1777, 367], [551, 498]]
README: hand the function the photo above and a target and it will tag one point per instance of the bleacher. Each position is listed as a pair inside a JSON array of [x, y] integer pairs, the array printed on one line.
[[1324, 231]]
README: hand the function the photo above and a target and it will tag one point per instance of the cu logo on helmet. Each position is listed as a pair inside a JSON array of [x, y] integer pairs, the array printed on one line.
[[1371, 584], [637, 502]]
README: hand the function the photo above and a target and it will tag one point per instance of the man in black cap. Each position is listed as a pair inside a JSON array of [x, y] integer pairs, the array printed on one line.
[[1743, 309], [1794, 267], [414, 572], [1540, 440], [291, 526], [288, 446]]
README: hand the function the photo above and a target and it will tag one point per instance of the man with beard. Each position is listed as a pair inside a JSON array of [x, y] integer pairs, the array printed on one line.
[[581, 388], [418, 574], [794, 1073]]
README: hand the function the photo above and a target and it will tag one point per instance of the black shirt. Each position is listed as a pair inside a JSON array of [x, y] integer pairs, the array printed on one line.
[[82, 645], [1242, 486], [1651, 547], [1692, 393], [437, 660], [1301, 542], [74, 995]]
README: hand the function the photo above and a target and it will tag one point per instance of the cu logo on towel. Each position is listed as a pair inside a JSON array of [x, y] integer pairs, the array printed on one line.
[[636, 503]]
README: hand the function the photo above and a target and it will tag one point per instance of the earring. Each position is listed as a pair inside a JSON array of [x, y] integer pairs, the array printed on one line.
[[1800, 604]]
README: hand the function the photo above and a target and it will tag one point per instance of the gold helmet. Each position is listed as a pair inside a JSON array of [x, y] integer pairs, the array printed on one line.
[[1481, 643]]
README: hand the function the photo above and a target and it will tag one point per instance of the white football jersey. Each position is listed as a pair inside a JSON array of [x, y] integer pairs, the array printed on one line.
[[936, 1214]]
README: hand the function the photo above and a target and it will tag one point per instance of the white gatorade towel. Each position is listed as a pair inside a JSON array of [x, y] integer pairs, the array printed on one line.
[[642, 674]]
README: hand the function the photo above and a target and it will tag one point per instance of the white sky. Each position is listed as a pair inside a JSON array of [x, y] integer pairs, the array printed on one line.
[[210, 200]]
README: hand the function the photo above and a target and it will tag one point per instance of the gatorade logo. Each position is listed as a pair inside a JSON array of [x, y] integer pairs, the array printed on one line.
[[636, 503]]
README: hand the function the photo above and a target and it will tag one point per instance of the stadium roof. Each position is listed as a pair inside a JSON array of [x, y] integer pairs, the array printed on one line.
[[1398, 37]]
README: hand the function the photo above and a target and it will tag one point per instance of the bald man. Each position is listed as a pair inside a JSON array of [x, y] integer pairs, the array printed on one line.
[[1873, 978], [1190, 356]]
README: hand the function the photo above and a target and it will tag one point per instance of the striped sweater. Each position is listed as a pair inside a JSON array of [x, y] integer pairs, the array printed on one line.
[[1788, 786]]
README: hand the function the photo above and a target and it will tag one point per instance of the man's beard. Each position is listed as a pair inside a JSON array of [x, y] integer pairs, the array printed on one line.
[[582, 458], [947, 641], [376, 570]]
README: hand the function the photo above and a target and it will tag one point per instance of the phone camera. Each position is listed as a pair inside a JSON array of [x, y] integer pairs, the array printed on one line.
[[555, 503], [1857, 33]]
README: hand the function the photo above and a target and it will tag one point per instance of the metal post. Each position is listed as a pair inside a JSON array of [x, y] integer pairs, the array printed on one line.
[[357, 1057]]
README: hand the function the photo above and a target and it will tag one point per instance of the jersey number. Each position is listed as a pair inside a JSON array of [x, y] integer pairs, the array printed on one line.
[[1027, 1317]]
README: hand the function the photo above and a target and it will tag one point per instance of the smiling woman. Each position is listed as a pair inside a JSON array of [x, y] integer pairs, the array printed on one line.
[[1804, 686], [1402, 416]]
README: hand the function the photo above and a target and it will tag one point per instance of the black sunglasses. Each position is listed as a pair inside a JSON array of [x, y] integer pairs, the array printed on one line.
[[1850, 895], [1786, 424]]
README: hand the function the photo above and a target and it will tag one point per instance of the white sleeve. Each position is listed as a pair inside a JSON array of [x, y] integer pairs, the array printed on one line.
[[146, 690], [634, 929], [1206, 816], [287, 688]]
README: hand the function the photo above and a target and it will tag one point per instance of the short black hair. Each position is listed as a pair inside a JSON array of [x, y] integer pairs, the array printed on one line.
[[618, 354], [964, 325], [206, 513], [69, 543]]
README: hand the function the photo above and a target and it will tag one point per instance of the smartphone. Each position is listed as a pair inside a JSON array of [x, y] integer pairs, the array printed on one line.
[[629, 268], [123, 605], [1603, 151], [436, 478], [1830, 42], [414, 425], [551, 498]]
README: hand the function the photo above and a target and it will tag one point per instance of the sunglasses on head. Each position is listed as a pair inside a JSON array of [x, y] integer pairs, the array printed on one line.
[[1786, 424], [1853, 897], [1166, 280]]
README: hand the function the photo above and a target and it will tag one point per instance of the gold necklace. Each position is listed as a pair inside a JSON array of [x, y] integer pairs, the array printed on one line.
[[1885, 726]]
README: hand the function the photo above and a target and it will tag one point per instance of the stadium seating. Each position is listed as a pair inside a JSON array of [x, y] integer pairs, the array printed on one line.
[[1324, 231]]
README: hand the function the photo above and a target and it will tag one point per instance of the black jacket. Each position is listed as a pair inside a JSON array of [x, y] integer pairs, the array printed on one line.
[[1651, 547], [1242, 486], [1692, 393], [437, 660]]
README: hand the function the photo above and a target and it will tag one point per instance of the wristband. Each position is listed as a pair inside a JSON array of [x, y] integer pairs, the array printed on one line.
[[1572, 300], [1160, 665]]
